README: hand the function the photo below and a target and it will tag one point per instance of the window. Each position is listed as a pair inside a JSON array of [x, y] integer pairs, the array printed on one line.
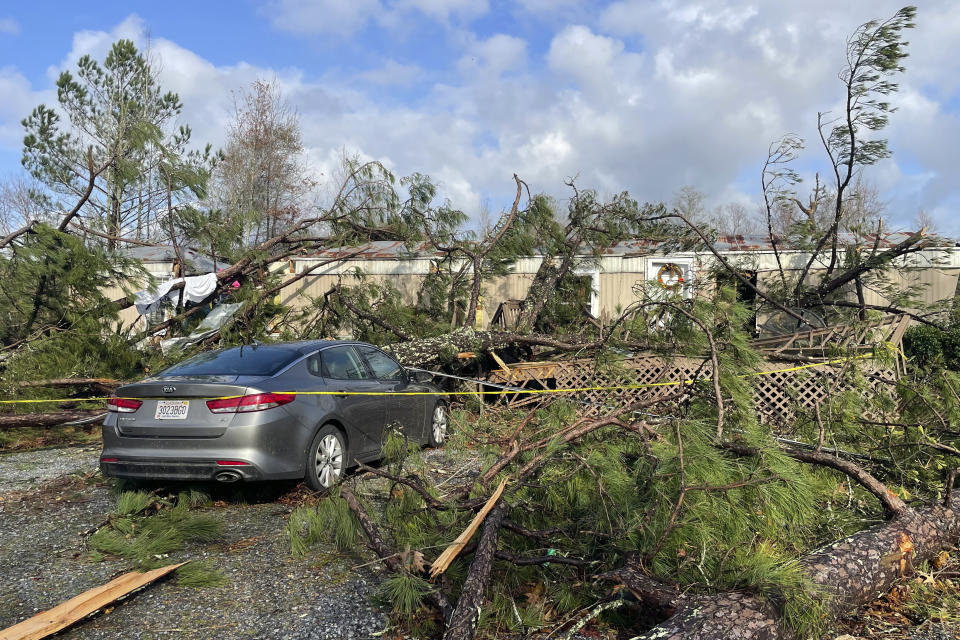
[[384, 367], [342, 363], [673, 275], [239, 361]]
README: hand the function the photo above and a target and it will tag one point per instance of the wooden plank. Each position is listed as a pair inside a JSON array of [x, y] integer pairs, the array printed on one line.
[[67, 613], [503, 365]]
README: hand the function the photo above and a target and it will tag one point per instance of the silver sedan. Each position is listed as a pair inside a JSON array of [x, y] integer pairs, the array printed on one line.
[[252, 413]]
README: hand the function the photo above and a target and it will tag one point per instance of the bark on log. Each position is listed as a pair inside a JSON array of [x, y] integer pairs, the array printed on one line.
[[851, 572], [374, 539], [435, 351], [105, 383], [47, 419]]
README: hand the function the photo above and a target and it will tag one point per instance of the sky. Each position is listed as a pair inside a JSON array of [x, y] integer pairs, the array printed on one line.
[[645, 96]]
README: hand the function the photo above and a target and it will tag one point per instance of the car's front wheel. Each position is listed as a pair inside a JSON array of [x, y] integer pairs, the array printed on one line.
[[326, 458], [439, 425]]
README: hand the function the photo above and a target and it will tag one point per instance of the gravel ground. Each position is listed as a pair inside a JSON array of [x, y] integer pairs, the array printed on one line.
[[20, 471], [270, 594]]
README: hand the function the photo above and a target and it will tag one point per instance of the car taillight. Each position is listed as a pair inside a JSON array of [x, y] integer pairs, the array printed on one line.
[[123, 405], [253, 402]]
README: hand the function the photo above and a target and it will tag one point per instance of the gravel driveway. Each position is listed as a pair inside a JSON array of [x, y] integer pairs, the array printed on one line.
[[51, 497]]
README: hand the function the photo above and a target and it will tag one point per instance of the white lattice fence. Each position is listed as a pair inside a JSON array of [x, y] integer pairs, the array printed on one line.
[[777, 390]]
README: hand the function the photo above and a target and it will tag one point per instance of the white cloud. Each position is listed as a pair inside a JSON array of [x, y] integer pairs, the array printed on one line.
[[393, 73], [333, 17], [343, 18], [445, 9], [645, 96], [9, 26], [496, 55], [19, 99]]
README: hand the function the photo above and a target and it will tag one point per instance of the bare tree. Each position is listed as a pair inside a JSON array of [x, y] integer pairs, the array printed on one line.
[[263, 178], [21, 202], [690, 203]]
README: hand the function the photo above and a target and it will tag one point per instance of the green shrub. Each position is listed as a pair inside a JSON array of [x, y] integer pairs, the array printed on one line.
[[928, 346]]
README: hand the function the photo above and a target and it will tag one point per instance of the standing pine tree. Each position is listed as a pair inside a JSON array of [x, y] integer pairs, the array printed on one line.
[[106, 143]]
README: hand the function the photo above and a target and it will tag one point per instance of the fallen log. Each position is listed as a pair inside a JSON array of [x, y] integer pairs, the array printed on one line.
[[442, 349], [46, 420], [851, 572]]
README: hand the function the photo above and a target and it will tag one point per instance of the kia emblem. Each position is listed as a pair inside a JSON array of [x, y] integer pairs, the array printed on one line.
[[169, 389]]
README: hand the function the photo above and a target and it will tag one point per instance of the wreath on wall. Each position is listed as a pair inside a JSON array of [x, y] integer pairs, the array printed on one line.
[[670, 276]]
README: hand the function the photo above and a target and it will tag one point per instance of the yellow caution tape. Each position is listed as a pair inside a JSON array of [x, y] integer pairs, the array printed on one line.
[[622, 387]]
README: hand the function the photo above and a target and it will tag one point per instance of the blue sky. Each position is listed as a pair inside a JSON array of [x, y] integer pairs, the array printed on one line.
[[639, 95]]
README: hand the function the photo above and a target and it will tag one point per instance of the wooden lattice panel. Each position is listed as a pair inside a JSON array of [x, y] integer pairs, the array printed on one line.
[[776, 390]]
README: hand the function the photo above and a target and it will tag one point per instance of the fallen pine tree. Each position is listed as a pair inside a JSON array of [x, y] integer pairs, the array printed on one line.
[[708, 515], [846, 574]]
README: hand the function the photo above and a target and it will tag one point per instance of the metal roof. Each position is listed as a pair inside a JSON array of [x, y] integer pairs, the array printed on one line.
[[197, 263], [396, 250]]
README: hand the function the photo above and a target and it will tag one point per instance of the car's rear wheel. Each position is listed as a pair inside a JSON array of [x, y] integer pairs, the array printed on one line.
[[326, 458], [439, 425]]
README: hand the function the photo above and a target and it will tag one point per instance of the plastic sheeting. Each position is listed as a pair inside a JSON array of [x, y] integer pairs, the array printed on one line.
[[217, 318], [195, 289]]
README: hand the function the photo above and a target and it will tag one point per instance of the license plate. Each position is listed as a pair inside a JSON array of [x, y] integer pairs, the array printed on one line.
[[172, 410]]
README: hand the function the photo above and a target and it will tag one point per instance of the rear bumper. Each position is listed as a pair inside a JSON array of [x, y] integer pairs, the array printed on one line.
[[274, 450], [179, 470]]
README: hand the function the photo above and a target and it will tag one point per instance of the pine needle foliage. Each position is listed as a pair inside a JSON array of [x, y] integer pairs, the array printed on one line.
[[404, 592], [329, 521], [147, 529], [200, 574]]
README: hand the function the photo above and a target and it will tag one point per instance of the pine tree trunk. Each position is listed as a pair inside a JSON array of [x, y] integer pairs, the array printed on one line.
[[442, 349], [463, 622], [852, 572], [475, 291], [540, 290]]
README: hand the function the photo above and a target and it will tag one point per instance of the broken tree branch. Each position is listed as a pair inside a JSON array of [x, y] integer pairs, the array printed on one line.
[[374, 539]]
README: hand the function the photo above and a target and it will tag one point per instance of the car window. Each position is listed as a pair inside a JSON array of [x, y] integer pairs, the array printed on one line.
[[313, 364], [384, 367], [256, 360], [342, 363]]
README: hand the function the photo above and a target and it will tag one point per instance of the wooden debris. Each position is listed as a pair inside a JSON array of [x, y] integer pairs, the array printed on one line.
[[67, 613], [443, 561], [499, 360]]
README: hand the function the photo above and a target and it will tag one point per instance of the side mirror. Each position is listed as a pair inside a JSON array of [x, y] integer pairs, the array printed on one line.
[[420, 376]]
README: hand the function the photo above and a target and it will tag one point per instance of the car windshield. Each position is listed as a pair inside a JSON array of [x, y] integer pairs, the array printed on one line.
[[239, 361]]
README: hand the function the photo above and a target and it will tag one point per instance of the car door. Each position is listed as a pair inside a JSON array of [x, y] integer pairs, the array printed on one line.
[[345, 371], [408, 410]]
